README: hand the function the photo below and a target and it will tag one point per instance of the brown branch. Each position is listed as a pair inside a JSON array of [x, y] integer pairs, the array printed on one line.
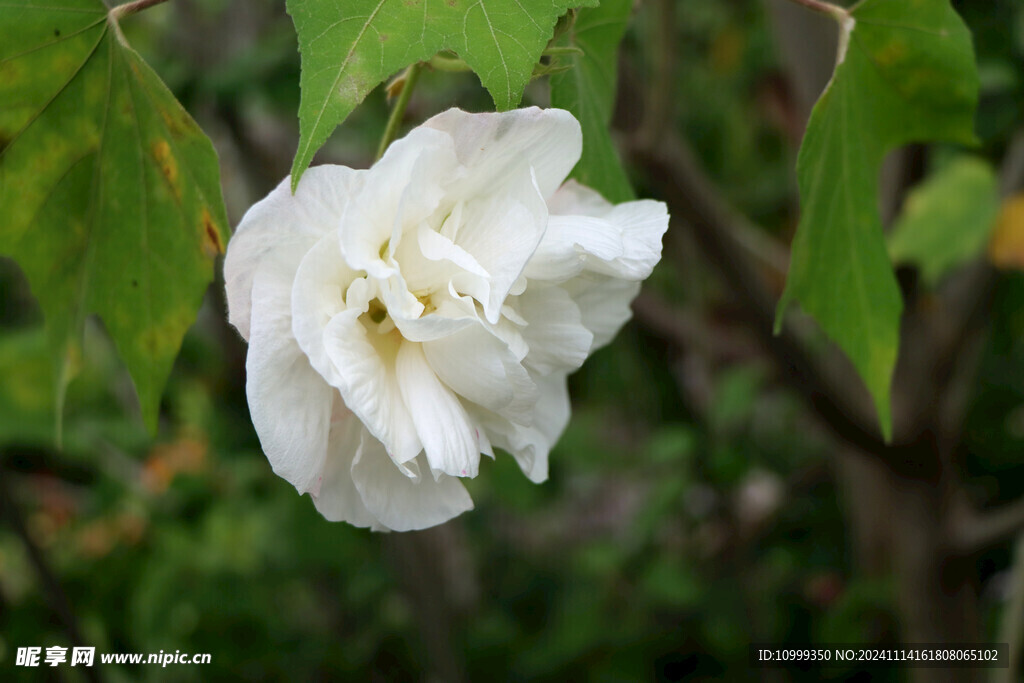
[[658, 121], [1012, 629], [659, 98], [961, 314], [694, 200], [685, 330], [1011, 172], [51, 587], [436, 572], [973, 531], [945, 335], [952, 333], [965, 296]]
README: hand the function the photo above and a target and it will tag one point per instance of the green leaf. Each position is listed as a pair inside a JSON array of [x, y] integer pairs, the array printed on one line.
[[906, 73], [588, 91], [109, 192], [947, 220], [348, 47]]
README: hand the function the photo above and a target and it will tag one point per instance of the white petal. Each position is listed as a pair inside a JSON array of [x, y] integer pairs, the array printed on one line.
[[492, 145], [436, 247], [447, 316], [481, 368], [289, 401], [364, 369], [429, 261], [485, 444], [551, 415], [562, 253], [283, 227], [338, 500], [501, 233], [398, 502], [399, 301], [603, 304], [450, 440], [400, 191], [321, 283], [530, 446], [446, 321], [594, 236], [510, 334], [524, 444], [572, 198], [555, 334], [641, 224]]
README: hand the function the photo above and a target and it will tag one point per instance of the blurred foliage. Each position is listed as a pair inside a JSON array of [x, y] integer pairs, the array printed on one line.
[[689, 512], [947, 219]]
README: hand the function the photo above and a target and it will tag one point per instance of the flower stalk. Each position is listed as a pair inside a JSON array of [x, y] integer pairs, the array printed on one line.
[[405, 85]]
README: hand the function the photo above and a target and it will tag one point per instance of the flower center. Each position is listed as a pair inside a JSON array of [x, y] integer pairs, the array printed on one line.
[[427, 299], [377, 311], [376, 318]]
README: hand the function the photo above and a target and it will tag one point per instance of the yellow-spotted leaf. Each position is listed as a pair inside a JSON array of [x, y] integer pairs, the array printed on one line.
[[109, 192]]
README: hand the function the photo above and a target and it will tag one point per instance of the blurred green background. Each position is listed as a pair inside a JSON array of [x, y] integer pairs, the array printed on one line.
[[694, 504]]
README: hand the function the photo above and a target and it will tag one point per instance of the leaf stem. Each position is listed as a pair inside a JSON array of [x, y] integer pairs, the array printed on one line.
[[408, 82], [442, 63], [557, 51], [828, 8], [133, 7]]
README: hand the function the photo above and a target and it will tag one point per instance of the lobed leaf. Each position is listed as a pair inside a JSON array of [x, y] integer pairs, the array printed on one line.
[[905, 73], [109, 192], [349, 47]]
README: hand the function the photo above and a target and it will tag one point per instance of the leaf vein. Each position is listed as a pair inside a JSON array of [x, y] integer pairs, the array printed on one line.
[[341, 71]]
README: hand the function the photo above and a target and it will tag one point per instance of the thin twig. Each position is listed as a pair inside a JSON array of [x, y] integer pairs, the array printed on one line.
[[408, 80]]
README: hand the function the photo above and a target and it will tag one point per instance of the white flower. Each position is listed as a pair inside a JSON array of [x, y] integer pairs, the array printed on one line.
[[405, 319]]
